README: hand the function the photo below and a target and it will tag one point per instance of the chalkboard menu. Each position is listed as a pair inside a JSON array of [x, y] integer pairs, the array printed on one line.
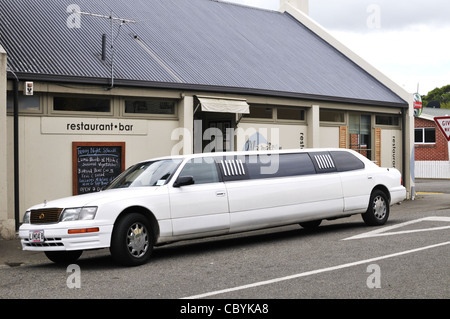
[[95, 164]]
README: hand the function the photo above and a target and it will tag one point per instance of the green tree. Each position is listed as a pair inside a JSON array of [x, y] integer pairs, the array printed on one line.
[[438, 94]]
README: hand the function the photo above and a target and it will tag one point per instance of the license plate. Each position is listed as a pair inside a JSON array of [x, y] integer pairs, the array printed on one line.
[[36, 236]]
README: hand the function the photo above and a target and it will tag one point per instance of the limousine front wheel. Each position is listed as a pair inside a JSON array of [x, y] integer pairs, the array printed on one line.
[[63, 257], [132, 240], [378, 211]]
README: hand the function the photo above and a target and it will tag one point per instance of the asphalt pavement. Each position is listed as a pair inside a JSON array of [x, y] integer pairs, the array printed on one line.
[[433, 186], [432, 194]]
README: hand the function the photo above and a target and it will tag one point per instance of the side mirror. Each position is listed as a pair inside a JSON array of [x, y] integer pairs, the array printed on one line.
[[184, 181]]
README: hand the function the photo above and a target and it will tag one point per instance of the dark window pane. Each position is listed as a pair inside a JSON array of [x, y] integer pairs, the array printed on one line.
[[418, 135], [430, 135], [25, 102], [290, 113], [150, 106], [387, 120], [80, 104], [331, 116], [260, 112]]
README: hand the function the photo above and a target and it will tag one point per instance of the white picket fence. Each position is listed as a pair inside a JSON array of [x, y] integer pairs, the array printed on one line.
[[432, 169]]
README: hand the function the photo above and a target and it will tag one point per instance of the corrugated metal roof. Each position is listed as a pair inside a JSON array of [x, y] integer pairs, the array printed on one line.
[[202, 44], [429, 113]]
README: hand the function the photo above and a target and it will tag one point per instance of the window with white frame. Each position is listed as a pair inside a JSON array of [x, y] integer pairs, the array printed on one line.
[[425, 135]]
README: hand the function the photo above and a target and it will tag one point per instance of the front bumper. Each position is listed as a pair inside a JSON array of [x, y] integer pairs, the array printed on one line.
[[57, 237]]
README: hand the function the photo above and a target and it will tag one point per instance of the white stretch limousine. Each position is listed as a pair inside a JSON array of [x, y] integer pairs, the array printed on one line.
[[182, 197]]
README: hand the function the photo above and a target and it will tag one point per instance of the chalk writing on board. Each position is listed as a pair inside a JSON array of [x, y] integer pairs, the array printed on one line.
[[96, 166]]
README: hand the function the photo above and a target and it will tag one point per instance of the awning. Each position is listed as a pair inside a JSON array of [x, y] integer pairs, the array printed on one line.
[[224, 105]]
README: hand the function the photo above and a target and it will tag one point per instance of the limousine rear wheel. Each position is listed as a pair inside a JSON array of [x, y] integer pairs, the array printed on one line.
[[132, 240], [378, 211]]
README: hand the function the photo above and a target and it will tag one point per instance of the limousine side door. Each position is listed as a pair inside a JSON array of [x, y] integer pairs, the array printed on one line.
[[357, 184], [201, 207]]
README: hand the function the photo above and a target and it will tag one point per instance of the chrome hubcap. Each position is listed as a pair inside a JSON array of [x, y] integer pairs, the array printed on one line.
[[379, 207], [137, 240]]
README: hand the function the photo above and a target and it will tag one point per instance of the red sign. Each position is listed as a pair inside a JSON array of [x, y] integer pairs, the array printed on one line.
[[444, 124], [417, 103]]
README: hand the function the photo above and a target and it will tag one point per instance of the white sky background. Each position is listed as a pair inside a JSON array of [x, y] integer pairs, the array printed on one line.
[[408, 40]]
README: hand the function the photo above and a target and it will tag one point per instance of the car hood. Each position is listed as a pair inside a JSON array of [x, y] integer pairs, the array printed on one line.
[[94, 199]]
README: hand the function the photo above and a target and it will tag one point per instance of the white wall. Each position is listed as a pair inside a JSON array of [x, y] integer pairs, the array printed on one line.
[[432, 169], [7, 221], [329, 136], [391, 148], [46, 159], [278, 135]]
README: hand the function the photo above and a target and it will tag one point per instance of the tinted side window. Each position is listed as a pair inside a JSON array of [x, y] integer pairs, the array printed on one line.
[[295, 164], [346, 161], [323, 162], [202, 170], [233, 168], [262, 166], [279, 165]]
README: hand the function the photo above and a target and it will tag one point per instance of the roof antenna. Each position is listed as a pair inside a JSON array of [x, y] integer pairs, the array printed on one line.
[[112, 19]]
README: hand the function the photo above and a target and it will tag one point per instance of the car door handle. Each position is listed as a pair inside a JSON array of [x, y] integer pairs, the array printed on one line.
[[220, 193], [369, 177]]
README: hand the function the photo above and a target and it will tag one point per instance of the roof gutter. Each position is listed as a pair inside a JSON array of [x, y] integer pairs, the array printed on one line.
[[207, 88]]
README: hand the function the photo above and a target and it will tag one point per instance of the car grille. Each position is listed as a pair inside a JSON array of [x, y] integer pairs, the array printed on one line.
[[49, 242], [46, 215]]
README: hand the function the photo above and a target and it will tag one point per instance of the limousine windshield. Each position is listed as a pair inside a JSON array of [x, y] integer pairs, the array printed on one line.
[[153, 173]]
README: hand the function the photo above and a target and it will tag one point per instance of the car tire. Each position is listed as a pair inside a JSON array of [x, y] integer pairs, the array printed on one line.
[[132, 240], [378, 211], [64, 257], [311, 224]]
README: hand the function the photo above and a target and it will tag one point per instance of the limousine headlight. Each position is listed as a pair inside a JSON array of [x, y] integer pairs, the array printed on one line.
[[26, 217], [78, 213]]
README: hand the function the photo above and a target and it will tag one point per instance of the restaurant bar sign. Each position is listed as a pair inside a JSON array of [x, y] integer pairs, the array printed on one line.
[[95, 165], [92, 126]]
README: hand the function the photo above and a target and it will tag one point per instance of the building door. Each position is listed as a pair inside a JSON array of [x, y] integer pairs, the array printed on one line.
[[214, 132], [222, 138], [360, 133]]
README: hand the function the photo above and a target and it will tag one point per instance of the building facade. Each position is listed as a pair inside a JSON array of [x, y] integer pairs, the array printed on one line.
[[431, 146], [235, 102]]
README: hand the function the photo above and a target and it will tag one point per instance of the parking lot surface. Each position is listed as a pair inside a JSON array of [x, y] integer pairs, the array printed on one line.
[[342, 259]]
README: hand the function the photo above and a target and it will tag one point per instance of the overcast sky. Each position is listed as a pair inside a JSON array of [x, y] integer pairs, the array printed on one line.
[[408, 40]]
